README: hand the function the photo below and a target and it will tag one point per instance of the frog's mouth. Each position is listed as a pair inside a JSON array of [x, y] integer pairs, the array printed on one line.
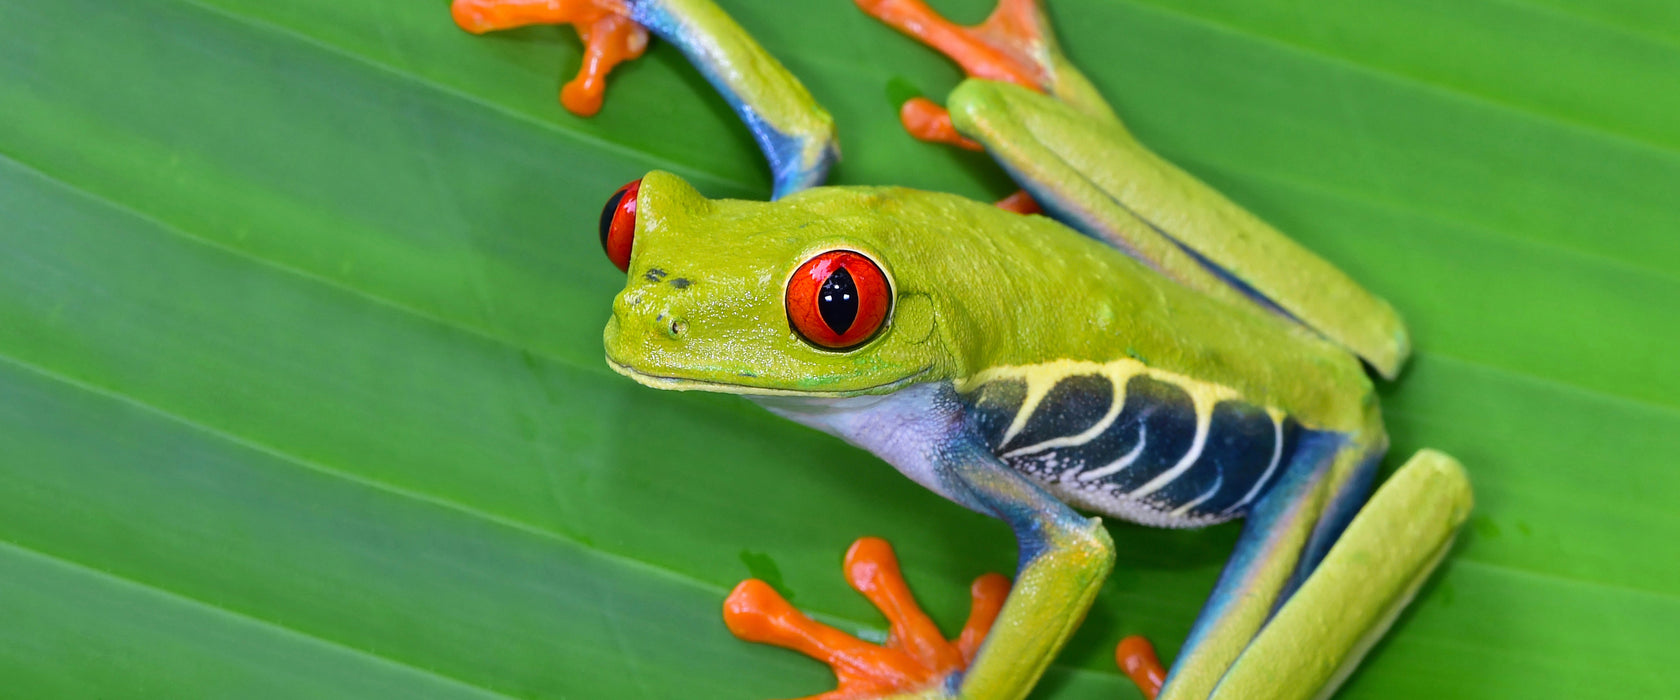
[[670, 383]]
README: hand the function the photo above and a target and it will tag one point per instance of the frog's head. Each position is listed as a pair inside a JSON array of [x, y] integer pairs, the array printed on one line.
[[814, 294]]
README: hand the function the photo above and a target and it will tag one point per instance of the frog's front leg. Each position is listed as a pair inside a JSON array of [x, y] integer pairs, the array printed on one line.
[[1064, 557], [610, 37], [794, 132]]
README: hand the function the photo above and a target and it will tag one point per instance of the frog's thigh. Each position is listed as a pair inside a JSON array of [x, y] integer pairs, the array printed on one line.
[[1326, 469], [1367, 578], [1093, 176], [1064, 559]]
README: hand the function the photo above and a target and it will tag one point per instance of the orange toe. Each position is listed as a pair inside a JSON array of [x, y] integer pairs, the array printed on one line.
[[927, 121], [610, 37], [1003, 48], [1136, 657], [872, 569], [1020, 203], [916, 655], [1008, 47], [986, 601], [609, 40], [755, 612]]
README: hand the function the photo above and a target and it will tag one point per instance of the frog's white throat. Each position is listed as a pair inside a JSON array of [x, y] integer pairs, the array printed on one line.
[[910, 428]]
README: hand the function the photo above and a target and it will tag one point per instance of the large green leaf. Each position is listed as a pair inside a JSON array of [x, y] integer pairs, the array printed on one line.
[[300, 379]]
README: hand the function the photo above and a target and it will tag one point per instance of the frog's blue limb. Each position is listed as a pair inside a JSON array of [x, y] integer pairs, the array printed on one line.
[[1375, 568], [795, 133], [1273, 546], [1064, 559], [1345, 503]]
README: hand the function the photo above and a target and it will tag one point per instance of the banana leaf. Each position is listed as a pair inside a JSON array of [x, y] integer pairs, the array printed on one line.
[[301, 388]]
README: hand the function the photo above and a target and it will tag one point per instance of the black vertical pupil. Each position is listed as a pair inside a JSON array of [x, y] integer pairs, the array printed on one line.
[[607, 215], [837, 301]]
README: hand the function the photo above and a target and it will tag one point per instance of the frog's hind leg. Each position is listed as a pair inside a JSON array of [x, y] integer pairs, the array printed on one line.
[[915, 657], [1095, 177], [1307, 591], [1351, 599], [1287, 519], [1325, 471], [1013, 45], [1048, 126]]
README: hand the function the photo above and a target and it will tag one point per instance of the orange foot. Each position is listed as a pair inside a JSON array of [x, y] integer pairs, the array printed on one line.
[[915, 657], [1008, 46], [610, 37], [1136, 657]]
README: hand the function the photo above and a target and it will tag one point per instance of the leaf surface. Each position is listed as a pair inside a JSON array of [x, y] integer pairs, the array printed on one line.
[[301, 391]]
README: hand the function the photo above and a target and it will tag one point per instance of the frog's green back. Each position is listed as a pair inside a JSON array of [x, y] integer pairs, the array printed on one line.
[[1014, 290]]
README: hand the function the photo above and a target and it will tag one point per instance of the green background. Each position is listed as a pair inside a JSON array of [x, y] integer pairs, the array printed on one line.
[[301, 390]]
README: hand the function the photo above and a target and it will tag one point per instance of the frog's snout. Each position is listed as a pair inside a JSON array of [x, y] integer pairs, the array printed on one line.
[[654, 312], [653, 319]]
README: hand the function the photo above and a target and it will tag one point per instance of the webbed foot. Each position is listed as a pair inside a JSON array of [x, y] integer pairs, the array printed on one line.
[[1009, 46], [610, 37], [916, 661]]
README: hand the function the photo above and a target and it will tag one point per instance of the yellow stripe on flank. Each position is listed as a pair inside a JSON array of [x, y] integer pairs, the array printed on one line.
[[1116, 402], [1040, 378]]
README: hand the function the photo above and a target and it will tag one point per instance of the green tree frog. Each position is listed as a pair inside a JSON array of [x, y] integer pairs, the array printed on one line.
[[1147, 351]]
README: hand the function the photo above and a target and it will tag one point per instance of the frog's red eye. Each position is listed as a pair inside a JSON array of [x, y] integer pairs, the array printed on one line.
[[618, 224], [838, 300]]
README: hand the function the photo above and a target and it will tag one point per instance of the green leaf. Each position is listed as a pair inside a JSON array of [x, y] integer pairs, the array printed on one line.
[[301, 390]]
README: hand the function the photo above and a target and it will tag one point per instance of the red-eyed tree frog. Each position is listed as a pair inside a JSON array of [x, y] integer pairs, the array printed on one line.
[[1148, 351]]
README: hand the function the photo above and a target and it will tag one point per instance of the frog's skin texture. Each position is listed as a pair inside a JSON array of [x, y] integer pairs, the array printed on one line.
[[1150, 352]]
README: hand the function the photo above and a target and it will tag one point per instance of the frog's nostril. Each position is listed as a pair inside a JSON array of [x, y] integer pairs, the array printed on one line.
[[676, 327]]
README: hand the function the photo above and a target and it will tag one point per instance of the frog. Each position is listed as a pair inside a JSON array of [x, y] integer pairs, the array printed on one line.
[[1119, 340]]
